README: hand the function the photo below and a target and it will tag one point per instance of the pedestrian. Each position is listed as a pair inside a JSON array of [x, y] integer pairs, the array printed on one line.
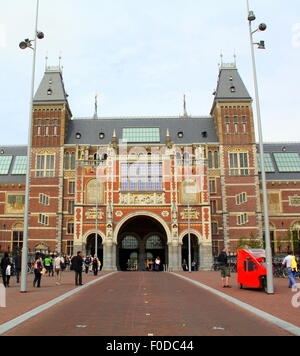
[[87, 263], [59, 266], [224, 267], [18, 266], [95, 266], [6, 269], [194, 266], [76, 266], [48, 264], [157, 264], [38, 267], [288, 263], [185, 266]]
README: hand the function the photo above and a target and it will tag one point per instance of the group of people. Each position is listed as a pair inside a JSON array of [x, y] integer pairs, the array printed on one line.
[[49, 265], [185, 266], [154, 265]]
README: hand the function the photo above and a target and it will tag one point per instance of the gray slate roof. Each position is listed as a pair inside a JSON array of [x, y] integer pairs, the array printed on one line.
[[280, 148], [193, 129], [13, 151], [52, 80], [229, 78]]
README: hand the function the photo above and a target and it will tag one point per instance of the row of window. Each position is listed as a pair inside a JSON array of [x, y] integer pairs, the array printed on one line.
[[47, 129]]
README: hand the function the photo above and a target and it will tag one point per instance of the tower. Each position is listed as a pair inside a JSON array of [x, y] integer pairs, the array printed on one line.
[[238, 185], [51, 113]]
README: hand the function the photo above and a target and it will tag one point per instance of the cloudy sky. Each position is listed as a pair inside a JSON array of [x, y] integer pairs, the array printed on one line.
[[141, 56]]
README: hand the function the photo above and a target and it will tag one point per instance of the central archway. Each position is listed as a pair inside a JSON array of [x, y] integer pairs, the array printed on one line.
[[140, 239]]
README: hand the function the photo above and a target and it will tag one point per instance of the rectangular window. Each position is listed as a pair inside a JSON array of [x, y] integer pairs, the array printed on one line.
[[239, 165], [212, 186], [44, 199], [20, 165], [71, 187], [241, 198], [141, 135], [70, 248], [141, 177], [213, 159], [214, 228], [70, 228], [242, 219], [71, 205], [287, 162], [45, 165], [5, 162], [43, 219], [213, 205]]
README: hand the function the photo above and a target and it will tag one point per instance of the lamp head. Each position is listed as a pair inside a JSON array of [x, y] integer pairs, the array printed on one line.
[[261, 45], [25, 44], [262, 27], [251, 16], [40, 35]]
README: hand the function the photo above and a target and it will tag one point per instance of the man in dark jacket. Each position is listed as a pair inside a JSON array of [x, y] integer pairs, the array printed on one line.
[[18, 266], [5, 263], [76, 266], [225, 270]]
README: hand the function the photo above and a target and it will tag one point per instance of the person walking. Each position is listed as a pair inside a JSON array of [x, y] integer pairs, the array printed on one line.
[[288, 262], [18, 266], [48, 264], [87, 263], [76, 266], [58, 266], [6, 269], [157, 264], [95, 265], [224, 267], [38, 267]]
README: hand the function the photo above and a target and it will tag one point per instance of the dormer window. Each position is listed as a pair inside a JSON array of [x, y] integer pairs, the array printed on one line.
[[78, 135], [49, 91], [101, 135], [233, 89]]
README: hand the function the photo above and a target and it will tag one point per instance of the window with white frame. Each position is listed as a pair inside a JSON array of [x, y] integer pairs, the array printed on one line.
[[44, 199], [45, 166], [239, 164], [242, 219], [241, 198], [43, 219]]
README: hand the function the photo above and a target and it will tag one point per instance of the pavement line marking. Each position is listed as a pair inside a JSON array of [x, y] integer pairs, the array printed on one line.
[[291, 328], [4, 328]]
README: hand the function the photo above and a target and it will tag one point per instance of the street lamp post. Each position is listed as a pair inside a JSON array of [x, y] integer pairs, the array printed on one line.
[[24, 45], [261, 45]]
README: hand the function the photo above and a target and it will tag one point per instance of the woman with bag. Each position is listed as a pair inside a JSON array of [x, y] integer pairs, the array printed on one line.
[[6, 269], [38, 268]]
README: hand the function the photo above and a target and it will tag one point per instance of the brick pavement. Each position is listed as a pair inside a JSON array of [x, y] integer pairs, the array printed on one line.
[[279, 304], [139, 304], [19, 303]]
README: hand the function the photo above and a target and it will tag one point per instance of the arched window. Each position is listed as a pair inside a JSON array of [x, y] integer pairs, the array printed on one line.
[[17, 232], [154, 242], [91, 192], [130, 243]]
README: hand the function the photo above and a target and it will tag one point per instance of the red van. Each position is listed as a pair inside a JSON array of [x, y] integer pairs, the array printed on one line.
[[251, 268]]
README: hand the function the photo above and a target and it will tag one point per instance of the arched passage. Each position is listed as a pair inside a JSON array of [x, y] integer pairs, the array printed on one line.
[[194, 249], [90, 246], [141, 238]]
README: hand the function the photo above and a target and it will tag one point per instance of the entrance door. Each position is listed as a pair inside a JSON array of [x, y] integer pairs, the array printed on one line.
[[90, 246], [129, 253], [194, 250], [155, 247]]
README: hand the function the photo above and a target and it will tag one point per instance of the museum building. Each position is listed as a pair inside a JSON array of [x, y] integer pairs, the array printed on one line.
[[136, 188]]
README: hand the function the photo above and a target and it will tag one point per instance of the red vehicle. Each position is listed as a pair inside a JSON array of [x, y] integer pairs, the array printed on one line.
[[251, 268]]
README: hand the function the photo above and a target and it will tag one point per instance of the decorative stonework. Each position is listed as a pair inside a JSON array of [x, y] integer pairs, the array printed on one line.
[[91, 214], [192, 214], [294, 201], [142, 199], [119, 214], [165, 214]]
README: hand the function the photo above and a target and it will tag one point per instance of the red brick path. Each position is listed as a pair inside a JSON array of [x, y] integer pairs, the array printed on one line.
[[138, 304]]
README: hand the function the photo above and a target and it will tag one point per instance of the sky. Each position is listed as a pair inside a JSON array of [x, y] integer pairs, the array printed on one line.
[[142, 56]]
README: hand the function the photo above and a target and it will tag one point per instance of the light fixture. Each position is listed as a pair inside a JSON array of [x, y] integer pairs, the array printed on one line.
[[262, 27], [25, 44], [261, 45], [251, 16]]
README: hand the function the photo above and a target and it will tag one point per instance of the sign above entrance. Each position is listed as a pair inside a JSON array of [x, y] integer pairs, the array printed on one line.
[[192, 214], [142, 199], [91, 214]]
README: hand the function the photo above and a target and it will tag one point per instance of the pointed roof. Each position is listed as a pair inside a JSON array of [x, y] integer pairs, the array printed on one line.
[[51, 89], [230, 85]]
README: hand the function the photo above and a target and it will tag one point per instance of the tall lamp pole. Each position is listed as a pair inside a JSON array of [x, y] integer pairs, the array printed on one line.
[[24, 45], [261, 45]]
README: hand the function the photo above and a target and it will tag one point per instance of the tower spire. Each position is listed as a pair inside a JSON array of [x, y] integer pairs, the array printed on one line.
[[185, 114], [96, 107]]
